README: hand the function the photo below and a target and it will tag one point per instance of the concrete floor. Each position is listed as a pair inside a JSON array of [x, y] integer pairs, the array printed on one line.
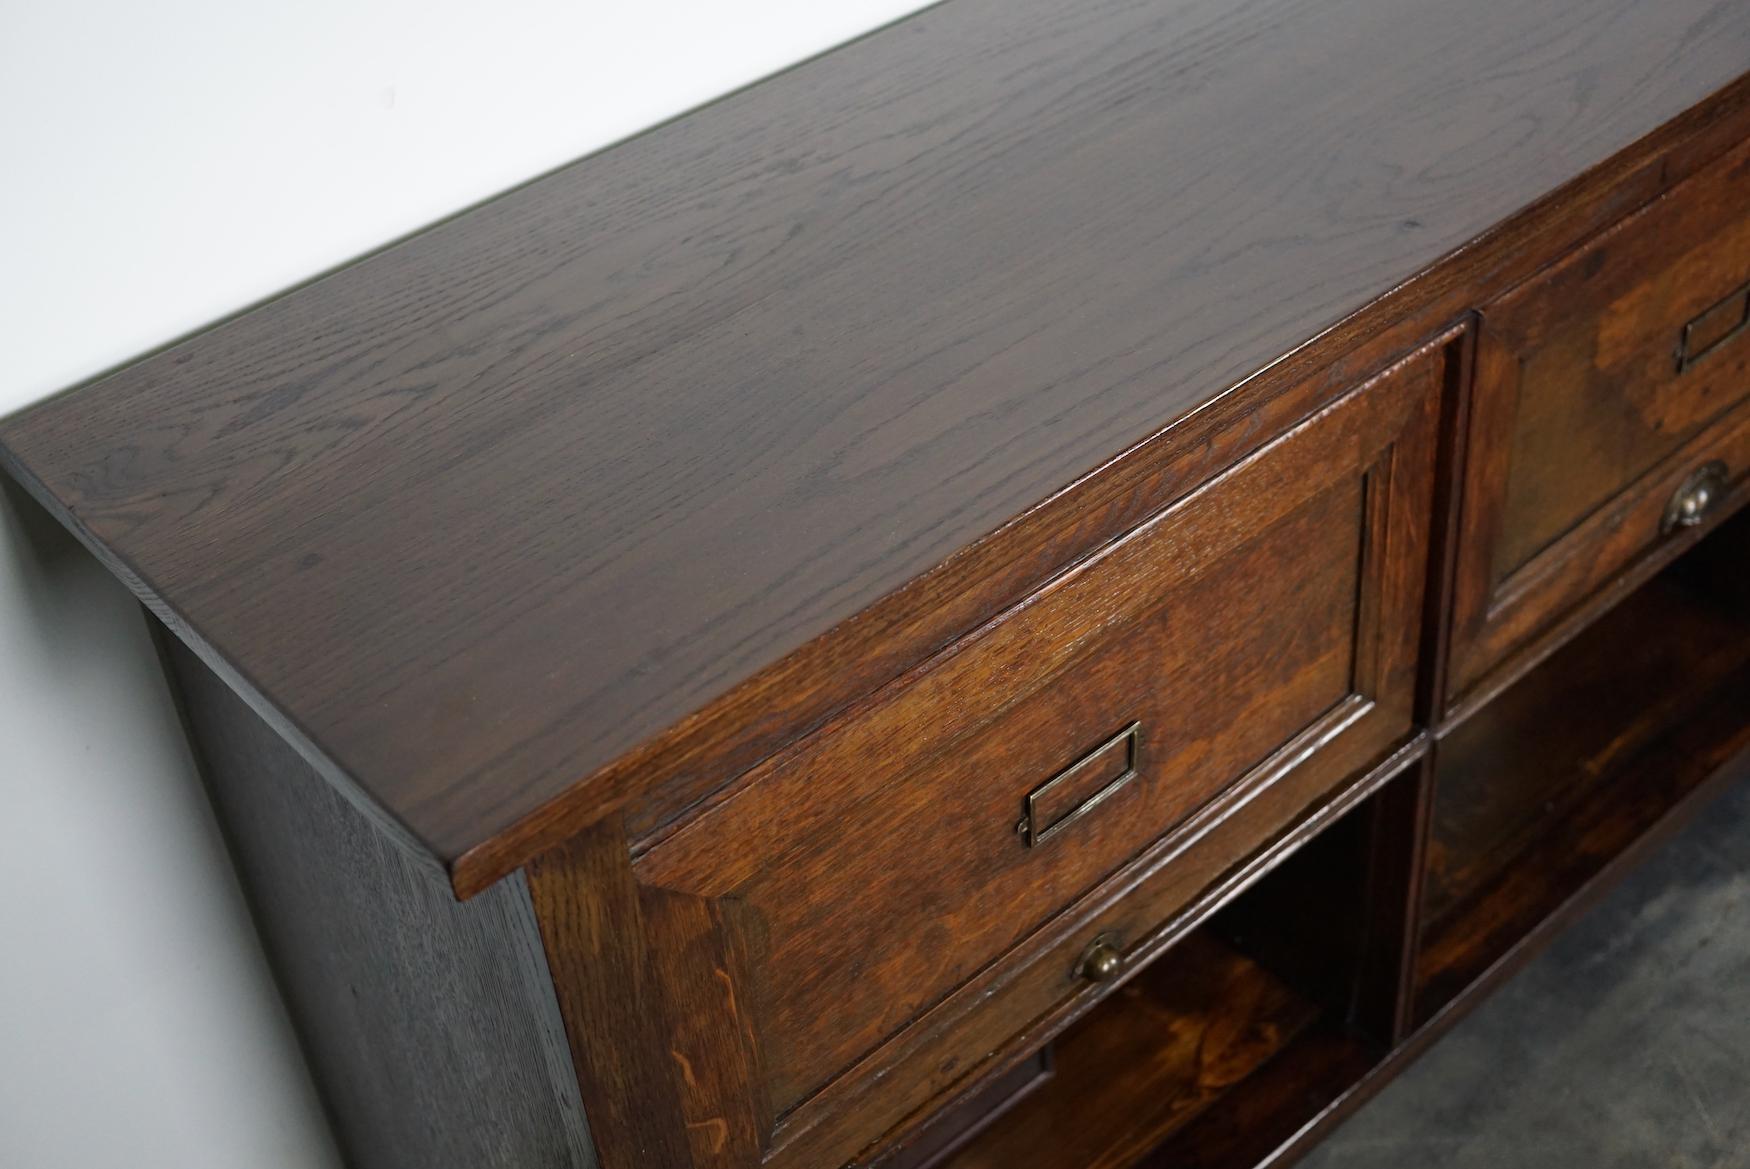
[[1626, 1045]]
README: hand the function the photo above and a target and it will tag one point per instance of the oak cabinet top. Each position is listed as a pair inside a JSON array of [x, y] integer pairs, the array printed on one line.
[[581, 502]]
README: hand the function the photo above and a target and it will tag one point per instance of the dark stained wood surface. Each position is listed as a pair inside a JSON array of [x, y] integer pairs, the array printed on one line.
[[1583, 424], [1261, 1121], [956, 1125], [1268, 622], [1185, 1064], [523, 508], [1517, 775], [432, 1028], [1601, 327], [1547, 786], [1154, 1057], [602, 946]]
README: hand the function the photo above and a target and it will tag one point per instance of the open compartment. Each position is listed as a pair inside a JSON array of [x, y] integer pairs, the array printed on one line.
[[1227, 1046], [1566, 775]]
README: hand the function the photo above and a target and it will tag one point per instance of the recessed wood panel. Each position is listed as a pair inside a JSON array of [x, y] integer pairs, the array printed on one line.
[[1602, 385], [925, 879]]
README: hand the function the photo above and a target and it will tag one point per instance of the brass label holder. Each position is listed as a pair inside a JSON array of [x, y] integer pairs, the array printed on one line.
[[1721, 322], [1035, 831]]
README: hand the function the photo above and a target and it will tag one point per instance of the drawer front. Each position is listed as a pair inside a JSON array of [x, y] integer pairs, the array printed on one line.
[[1601, 386], [1257, 637]]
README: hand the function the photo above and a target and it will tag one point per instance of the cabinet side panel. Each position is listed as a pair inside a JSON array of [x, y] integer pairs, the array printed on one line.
[[431, 1025]]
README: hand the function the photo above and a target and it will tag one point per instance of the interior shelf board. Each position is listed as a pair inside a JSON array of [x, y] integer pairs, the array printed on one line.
[[1149, 1062], [1611, 737]]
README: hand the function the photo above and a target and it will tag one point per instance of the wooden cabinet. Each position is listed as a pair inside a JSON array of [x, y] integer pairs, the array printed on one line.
[[1063, 587]]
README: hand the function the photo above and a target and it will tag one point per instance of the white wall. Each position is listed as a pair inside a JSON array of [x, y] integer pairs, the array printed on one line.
[[162, 165]]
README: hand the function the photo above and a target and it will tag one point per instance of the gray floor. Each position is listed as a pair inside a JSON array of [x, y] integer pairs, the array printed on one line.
[[1626, 1044]]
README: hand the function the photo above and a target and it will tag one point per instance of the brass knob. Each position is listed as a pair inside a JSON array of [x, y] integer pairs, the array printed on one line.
[[1101, 961], [1697, 496]]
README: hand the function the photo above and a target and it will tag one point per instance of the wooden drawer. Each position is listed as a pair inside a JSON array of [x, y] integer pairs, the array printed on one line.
[[900, 880], [1602, 386]]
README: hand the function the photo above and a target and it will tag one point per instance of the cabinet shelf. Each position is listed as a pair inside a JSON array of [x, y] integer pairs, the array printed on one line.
[[1227, 1045], [1154, 1058], [1580, 763]]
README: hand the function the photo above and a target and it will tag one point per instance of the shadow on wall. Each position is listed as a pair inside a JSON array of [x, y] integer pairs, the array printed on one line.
[[141, 1026], [48, 564]]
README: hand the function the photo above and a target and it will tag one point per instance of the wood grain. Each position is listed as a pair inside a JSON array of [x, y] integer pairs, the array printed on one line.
[[1263, 1121], [1543, 789], [614, 1003], [951, 1128], [1005, 1013], [734, 527], [432, 1028], [1583, 423], [1242, 1031], [527, 519], [1152, 1059], [1240, 627]]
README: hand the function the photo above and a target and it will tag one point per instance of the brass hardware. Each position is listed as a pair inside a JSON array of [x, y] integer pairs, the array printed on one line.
[[1030, 826], [1102, 961], [1690, 506], [1731, 314]]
